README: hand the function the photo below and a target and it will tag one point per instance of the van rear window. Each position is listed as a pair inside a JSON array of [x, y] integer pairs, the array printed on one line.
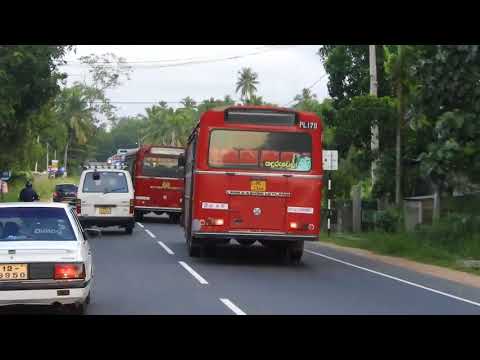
[[108, 182]]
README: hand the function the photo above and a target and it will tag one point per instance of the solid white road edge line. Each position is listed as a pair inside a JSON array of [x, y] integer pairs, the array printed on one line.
[[200, 279], [141, 225], [167, 249], [233, 307], [395, 278], [150, 233]]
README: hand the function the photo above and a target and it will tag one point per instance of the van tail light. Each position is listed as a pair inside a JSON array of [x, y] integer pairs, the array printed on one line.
[[78, 206], [131, 206], [69, 271]]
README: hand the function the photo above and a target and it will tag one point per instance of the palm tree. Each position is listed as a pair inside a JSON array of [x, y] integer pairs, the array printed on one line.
[[73, 109], [188, 102], [247, 79], [305, 96]]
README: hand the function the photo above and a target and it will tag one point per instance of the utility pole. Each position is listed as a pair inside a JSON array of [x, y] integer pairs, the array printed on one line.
[[47, 158], [373, 92]]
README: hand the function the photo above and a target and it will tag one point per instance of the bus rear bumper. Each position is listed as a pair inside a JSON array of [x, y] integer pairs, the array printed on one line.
[[254, 236], [147, 209]]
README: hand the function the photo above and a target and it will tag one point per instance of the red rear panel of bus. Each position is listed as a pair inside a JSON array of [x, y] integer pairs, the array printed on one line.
[[257, 177], [158, 180]]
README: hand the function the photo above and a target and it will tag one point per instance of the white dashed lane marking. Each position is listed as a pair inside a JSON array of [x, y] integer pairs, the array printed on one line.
[[167, 249], [200, 279], [233, 307], [152, 235]]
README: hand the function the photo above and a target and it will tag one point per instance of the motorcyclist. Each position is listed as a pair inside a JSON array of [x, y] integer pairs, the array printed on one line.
[[28, 194]]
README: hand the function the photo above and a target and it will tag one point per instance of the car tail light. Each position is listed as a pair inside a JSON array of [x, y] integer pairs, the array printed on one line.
[[55, 194], [214, 222], [78, 206], [69, 271], [131, 206]]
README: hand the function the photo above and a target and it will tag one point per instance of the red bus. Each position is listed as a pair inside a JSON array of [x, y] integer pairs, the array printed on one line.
[[157, 179], [253, 174]]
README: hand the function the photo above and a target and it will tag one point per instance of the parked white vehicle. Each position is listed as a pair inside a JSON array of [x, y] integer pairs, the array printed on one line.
[[45, 257], [105, 198]]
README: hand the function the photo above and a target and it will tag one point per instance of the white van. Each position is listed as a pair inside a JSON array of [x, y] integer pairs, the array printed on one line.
[[105, 198]]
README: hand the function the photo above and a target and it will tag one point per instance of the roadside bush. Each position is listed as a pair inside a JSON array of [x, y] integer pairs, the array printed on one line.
[[388, 220], [21, 176], [458, 233]]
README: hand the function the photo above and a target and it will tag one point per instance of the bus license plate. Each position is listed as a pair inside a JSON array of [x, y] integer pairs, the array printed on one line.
[[13, 272], [105, 211], [258, 185]]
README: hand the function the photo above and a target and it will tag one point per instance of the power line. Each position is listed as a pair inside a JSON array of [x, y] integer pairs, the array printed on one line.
[[158, 61], [191, 62], [309, 88]]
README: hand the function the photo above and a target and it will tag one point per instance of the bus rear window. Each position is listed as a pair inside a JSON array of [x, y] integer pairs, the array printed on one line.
[[165, 166], [260, 150]]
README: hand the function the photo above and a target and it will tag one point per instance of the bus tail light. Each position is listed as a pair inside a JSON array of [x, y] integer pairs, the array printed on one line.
[[214, 222], [69, 271], [78, 206], [297, 226]]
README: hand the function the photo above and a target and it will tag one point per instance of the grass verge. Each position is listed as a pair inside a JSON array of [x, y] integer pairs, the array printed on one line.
[[42, 185], [413, 247]]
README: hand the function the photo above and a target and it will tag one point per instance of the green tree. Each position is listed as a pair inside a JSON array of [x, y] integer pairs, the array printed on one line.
[[72, 107], [246, 84], [29, 79], [348, 70]]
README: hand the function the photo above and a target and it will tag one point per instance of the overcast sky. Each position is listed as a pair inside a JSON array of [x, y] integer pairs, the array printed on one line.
[[283, 71]]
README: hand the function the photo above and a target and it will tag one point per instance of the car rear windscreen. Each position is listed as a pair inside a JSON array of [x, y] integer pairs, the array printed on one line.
[[35, 224], [66, 188], [260, 150]]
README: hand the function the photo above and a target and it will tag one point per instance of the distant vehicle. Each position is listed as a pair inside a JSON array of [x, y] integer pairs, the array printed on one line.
[[45, 257], [105, 198], [66, 193], [158, 180], [254, 174]]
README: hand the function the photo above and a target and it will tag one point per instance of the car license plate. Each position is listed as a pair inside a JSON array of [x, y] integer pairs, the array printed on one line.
[[105, 210], [13, 272], [258, 185]]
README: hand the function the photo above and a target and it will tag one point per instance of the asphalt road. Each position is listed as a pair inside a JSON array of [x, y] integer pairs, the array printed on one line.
[[150, 272]]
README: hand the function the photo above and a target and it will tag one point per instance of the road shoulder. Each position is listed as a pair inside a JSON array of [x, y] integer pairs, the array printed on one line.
[[436, 271]]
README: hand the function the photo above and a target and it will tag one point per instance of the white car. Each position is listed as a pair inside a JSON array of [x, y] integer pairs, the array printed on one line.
[[45, 257], [105, 198]]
